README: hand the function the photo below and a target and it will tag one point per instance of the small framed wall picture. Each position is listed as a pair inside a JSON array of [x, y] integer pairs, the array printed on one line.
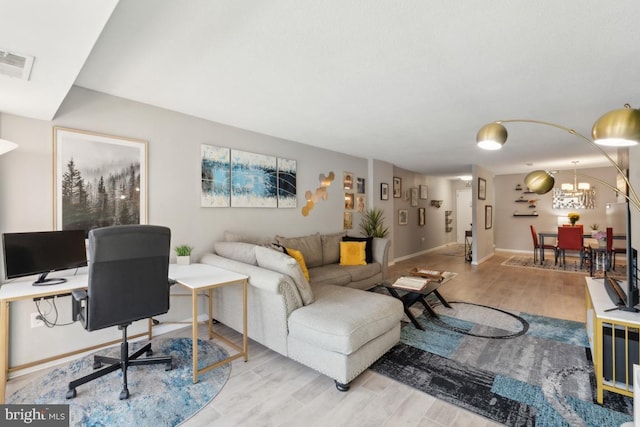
[[403, 216], [423, 192], [397, 187], [384, 191], [347, 220], [360, 185], [414, 197], [348, 201], [421, 216], [488, 217], [347, 181], [360, 203], [482, 189]]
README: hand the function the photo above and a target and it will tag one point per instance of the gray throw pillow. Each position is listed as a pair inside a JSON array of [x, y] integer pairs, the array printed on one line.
[[239, 251], [283, 263]]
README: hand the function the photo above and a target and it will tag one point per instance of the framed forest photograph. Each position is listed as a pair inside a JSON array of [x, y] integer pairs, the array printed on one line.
[[100, 180]]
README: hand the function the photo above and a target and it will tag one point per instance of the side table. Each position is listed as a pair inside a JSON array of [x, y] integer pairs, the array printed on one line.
[[204, 277]]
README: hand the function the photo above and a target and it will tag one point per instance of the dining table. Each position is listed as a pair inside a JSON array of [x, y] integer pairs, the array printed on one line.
[[543, 234]]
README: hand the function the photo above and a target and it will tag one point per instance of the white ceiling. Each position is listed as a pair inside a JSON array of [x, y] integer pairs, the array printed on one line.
[[409, 82]]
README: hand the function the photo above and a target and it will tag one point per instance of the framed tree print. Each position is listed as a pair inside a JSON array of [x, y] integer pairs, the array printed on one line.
[[100, 180]]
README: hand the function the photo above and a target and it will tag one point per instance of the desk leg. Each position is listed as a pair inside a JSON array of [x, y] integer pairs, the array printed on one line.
[[194, 331], [4, 352], [245, 339], [541, 239], [210, 320]]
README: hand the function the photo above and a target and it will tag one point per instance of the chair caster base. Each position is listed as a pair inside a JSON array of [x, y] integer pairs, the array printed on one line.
[[71, 393], [342, 387], [124, 394]]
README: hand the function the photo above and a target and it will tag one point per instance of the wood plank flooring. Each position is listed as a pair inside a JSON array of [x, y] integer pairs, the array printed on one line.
[[271, 390]]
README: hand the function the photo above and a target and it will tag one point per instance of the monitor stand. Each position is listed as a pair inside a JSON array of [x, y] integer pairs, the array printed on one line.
[[44, 281]]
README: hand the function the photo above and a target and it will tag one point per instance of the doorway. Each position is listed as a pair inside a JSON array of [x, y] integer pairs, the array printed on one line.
[[464, 212]]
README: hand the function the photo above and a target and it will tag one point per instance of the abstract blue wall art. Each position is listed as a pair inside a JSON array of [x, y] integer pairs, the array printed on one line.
[[216, 169], [287, 171], [254, 180]]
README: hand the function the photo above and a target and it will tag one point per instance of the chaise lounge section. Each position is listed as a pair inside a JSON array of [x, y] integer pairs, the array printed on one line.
[[335, 329]]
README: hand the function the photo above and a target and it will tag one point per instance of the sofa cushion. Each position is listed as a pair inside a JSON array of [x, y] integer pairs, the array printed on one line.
[[283, 263], [297, 255], [310, 246], [352, 253], [230, 236], [331, 273], [331, 247], [343, 319], [239, 251], [368, 248]]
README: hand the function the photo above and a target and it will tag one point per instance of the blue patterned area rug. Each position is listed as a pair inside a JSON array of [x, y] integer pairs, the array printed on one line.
[[158, 397], [479, 359]]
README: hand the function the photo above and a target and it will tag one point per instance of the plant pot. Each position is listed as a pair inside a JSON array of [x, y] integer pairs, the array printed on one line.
[[184, 260]]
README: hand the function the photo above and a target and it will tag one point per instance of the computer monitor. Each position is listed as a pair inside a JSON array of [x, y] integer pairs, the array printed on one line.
[[42, 252]]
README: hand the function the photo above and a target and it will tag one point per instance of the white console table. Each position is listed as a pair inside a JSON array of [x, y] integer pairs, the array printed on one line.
[[204, 277], [620, 350]]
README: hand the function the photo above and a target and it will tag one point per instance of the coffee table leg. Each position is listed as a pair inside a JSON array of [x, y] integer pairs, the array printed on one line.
[[441, 298], [407, 301]]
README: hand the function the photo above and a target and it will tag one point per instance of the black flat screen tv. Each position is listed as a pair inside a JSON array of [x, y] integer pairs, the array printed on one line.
[[42, 252]]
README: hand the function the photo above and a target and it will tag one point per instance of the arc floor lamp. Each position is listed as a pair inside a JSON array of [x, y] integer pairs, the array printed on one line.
[[618, 128]]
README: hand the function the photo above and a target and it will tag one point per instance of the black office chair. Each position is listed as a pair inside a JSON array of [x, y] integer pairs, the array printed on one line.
[[128, 281]]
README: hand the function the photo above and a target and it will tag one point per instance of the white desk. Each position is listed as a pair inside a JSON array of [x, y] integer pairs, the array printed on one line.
[[196, 277], [204, 277]]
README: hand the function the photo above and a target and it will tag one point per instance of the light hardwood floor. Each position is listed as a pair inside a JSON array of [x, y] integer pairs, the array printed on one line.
[[271, 390]]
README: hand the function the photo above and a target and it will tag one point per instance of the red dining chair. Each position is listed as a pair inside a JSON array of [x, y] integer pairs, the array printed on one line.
[[611, 250], [569, 239], [580, 226], [539, 248]]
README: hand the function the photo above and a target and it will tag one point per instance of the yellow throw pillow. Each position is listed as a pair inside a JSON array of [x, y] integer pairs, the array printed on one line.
[[297, 255], [352, 253]]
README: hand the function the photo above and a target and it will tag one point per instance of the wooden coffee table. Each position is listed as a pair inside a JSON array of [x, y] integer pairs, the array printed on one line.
[[411, 297]]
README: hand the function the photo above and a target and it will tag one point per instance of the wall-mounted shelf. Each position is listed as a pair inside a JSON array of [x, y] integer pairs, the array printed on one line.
[[522, 201], [525, 214]]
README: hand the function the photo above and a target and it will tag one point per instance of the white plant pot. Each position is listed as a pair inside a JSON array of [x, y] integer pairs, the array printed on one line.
[[184, 260]]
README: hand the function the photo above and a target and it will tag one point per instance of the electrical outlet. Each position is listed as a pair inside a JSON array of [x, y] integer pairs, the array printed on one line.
[[35, 322]]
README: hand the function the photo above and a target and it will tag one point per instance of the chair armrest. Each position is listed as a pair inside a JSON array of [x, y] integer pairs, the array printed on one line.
[[79, 306]]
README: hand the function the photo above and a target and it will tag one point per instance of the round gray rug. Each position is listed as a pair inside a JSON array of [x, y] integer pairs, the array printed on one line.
[[158, 397]]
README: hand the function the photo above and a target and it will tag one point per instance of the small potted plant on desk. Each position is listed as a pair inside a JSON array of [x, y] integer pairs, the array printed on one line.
[[183, 253]]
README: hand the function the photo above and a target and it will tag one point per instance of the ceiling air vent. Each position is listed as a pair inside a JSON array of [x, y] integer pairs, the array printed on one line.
[[15, 65]]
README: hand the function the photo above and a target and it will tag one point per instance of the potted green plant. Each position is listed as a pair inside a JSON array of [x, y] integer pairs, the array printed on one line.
[[183, 253], [372, 223]]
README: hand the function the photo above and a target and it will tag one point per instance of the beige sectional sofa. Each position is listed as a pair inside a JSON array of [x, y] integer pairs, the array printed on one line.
[[329, 323]]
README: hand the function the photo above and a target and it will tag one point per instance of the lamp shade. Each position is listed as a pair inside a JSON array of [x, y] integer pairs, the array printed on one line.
[[540, 182], [491, 136], [618, 128], [6, 146]]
